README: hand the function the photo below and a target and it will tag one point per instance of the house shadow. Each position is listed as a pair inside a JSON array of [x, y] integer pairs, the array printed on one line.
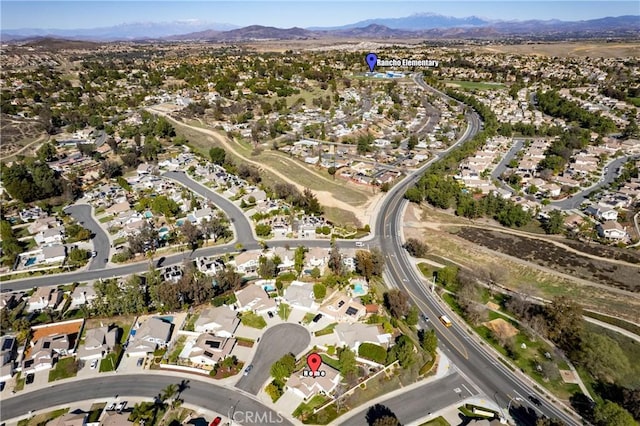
[[198, 421]]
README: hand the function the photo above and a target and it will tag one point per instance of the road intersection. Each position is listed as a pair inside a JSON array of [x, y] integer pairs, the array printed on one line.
[[471, 357]]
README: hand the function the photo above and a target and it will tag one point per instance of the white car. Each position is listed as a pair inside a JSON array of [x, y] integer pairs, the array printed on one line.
[[94, 364]]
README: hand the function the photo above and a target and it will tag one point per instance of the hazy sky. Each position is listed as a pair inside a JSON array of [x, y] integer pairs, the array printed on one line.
[[302, 13]]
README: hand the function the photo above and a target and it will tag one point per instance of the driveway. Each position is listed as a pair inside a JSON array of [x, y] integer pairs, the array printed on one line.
[[83, 214], [274, 344]]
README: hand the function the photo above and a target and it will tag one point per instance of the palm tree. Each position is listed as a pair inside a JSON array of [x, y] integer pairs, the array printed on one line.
[[169, 392]]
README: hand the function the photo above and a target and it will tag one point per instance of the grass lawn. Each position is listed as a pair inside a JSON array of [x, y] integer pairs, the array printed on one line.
[[427, 270], [307, 408], [42, 419], [438, 421], [19, 383], [471, 85], [191, 322], [327, 330], [284, 311], [65, 368], [105, 219], [95, 411], [253, 320], [308, 317], [109, 362], [331, 362]]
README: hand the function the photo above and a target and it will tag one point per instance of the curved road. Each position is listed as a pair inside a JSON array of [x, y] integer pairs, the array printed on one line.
[[493, 377], [468, 355], [206, 395], [83, 214], [276, 342]]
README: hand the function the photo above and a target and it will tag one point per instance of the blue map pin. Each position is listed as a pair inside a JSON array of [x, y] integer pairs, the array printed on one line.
[[372, 60]]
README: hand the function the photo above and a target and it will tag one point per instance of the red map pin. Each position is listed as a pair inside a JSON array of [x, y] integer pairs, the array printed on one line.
[[314, 361]]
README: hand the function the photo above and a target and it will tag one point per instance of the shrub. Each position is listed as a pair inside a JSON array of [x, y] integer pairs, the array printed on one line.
[[319, 291]]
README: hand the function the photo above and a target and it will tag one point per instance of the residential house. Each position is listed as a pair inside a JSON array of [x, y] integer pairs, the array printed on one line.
[[40, 299], [247, 262], [50, 236], [83, 296], [70, 419], [8, 352], [42, 224], [172, 273], [612, 230], [300, 295], [342, 308], [45, 351], [145, 169], [115, 418], [317, 258], [33, 213], [98, 342], [198, 215], [254, 298], [54, 254], [221, 320], [118, 208], [602, 213], [308, 387], [353, 335], [153, 333], [287, 258], [210, 349], [209, 265]]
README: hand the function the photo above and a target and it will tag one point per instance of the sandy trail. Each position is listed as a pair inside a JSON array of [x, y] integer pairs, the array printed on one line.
[[326, 198]]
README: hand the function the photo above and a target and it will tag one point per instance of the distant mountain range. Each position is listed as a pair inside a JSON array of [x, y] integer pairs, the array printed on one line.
[[426, 25]]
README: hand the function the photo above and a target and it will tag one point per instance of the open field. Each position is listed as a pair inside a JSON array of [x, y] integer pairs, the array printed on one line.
[[337, 196], [549, 255], [514, 273], [19, 136], [471, 85], [593, 49]]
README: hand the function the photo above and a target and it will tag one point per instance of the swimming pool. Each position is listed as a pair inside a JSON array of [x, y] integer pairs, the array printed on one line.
[[167, 318], [269, 287], [30, 261], [359, 290], [148, 215]]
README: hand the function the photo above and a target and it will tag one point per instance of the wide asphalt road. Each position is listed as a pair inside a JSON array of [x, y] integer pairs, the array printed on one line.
[[242, 227], [203, 394], [420, 402], [276, 342], [101, 244]]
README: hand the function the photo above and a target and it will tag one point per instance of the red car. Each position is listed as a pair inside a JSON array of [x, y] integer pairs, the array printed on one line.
[[216, 421]]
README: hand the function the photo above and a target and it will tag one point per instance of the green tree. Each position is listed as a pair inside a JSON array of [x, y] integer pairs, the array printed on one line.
[[319, 291], [603, 358], [447, 276], [347, 364], [402, 351], [47, 152], [335, 260], [364, 264], [78, 256], [555, 223], [263, 230], [217, 155], [284, 367], [429, 341], [412, 316], [564, 324], [298, 259], [397, 302], [611, 414], [11, 246]]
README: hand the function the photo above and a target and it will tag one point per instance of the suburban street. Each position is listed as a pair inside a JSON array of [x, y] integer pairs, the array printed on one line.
[[502, 166], [203, 394], [82, 213], [469, 356], [577, 199], [275, 343], [433, 396]]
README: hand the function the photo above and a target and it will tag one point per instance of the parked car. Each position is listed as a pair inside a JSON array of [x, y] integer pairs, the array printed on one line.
[[270, 314], [111, 406], [30, 378], [140, 362], [216, 421], [317, 318], [94, 364], [121, 406], [248, 369]]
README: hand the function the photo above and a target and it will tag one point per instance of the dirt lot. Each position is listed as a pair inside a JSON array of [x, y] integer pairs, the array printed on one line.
[[593, 49], [557, 258], [625, 255]]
